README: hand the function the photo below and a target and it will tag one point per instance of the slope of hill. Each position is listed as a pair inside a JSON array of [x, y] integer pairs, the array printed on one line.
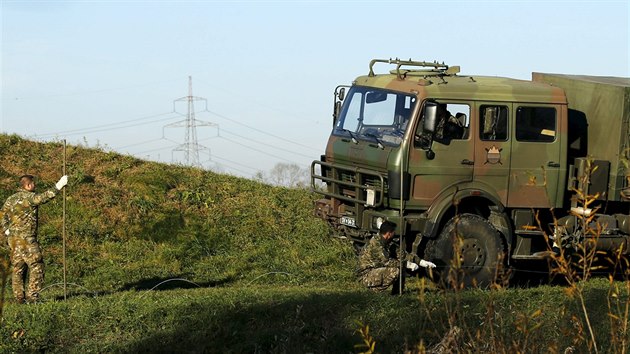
[[133, 223]]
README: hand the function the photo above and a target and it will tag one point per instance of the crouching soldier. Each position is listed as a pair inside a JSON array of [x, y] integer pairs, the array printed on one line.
[[378, 267], [19, 224]]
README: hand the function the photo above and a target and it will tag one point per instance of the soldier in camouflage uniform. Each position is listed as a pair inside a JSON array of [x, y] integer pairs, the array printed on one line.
[[19, 224], [378, 267]]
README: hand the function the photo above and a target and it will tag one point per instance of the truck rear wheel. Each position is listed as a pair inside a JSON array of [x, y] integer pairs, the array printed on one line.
[[468, 252]]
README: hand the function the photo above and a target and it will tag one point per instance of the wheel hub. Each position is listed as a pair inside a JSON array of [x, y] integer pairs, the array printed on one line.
[[473, 256]]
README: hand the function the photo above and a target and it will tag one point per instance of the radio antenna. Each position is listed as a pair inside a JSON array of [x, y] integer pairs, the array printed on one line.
[[63, 232]]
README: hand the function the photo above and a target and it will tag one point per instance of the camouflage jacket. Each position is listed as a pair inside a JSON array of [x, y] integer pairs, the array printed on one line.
[[19, 213], [376, 254]]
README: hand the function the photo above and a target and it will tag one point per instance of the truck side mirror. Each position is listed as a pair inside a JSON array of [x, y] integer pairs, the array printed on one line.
[[430, 118], [337, 112], [464, 119], [429, 123], [339, 95]]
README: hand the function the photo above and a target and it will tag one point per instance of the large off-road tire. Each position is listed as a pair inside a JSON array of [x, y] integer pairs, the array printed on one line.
[[469, 252]]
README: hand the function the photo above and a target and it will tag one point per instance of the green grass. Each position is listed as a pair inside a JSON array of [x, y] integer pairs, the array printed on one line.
[[288, 318], [164, 258]]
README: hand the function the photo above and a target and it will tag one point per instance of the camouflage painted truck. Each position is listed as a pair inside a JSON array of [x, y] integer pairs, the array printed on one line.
[[479, 173]]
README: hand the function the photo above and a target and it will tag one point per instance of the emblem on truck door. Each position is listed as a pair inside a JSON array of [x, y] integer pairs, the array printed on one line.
[[493, 155]]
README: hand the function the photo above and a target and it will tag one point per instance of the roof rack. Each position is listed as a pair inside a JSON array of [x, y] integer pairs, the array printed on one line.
[[437, 69]]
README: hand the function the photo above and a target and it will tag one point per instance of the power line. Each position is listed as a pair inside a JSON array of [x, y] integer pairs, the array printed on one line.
[[170, 147], [191, 145], [156, 149], [265, 144], [235, 169], [214, 156], [250, 99], [140, 143], [223, 164], [253, 100], [254, 149], [261, 131], [109, 126]]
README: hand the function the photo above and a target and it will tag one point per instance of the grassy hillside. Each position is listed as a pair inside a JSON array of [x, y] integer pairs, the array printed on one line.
[[131, 222], [165, 258]]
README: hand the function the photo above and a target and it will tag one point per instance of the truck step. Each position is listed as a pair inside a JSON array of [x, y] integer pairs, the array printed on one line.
[[529, 233], [531, 257]]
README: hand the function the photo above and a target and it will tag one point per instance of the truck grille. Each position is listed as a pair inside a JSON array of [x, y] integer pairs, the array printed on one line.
[[350, 184]]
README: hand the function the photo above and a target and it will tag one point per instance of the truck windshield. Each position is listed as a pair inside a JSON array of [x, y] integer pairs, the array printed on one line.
[[375, 115]]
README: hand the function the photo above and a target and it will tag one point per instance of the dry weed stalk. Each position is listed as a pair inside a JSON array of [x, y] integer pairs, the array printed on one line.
[[369, 344], [577, 266]]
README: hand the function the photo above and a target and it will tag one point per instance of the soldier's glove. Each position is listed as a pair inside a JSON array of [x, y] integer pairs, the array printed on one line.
[[6, 232], [62, 182], [426, 264], [412, 266]]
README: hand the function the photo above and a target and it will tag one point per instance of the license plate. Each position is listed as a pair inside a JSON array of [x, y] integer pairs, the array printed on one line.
[[348, 221]]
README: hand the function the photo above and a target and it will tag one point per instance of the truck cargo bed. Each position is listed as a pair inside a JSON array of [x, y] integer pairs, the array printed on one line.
[[599, 128]]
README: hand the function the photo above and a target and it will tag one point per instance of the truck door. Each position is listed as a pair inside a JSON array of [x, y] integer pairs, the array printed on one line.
[[492, 148], [535, 157], [454, 156]]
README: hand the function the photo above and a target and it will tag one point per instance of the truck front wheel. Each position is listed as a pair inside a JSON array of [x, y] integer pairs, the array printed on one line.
[[468, 252]]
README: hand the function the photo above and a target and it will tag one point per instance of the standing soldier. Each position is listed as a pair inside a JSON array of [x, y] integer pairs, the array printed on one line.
[[378, 268], [19, 223]]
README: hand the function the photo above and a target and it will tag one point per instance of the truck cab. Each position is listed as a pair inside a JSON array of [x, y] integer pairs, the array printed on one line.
[[477, 162]]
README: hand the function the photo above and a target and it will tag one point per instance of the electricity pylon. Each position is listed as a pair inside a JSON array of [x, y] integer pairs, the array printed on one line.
[[190, 147]]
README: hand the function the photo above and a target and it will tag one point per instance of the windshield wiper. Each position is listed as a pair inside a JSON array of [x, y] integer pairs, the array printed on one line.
[[354, 140], [378, 141]]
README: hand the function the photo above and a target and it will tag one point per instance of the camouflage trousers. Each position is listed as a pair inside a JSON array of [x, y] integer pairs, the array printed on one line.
[[26, 256], [379, 279]]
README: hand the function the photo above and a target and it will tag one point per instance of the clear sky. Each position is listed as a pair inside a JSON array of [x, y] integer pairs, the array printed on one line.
[[106, 73]]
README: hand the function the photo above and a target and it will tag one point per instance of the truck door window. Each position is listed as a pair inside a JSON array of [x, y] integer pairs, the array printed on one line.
[[493, 123], [453, 122], [536, 124]]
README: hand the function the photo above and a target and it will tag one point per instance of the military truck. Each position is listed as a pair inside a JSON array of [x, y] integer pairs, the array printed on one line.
[[479, 173]]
